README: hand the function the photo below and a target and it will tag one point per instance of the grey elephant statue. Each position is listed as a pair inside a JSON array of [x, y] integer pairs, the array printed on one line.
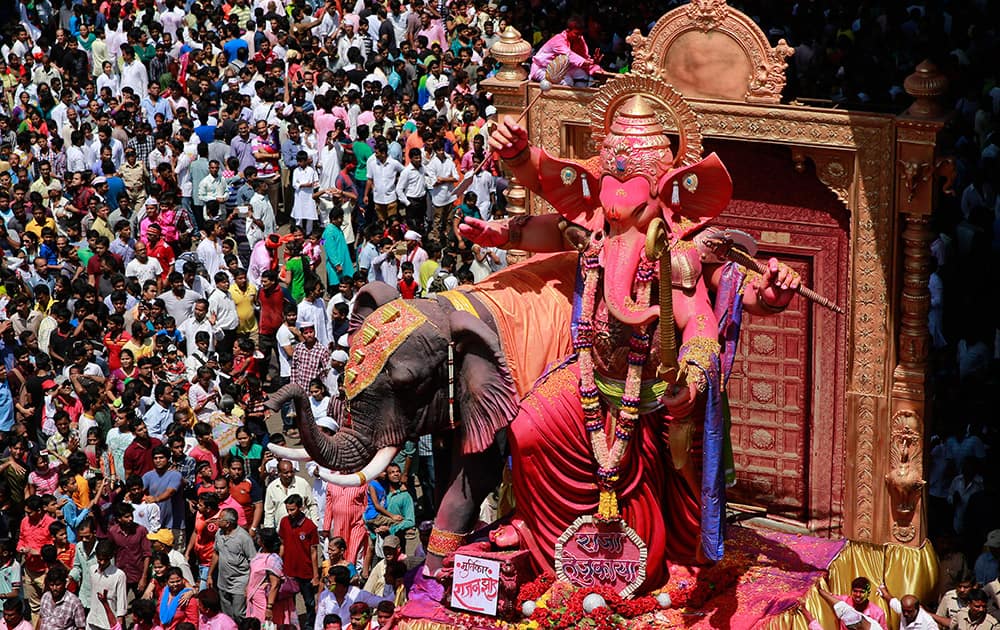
[[455, 364]]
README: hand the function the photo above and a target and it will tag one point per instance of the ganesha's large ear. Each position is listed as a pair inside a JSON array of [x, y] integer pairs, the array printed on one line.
[[372, 296], [571, 187], [486, 399], [694, 195]]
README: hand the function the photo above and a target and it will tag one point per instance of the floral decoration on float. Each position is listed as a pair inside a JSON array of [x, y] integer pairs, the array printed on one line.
[[550, 604]]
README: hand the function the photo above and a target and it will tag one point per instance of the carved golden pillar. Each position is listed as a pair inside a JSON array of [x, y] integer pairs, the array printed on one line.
[[916, 139], [510, 96]]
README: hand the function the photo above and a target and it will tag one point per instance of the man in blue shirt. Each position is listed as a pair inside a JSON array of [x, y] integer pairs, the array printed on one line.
[[161, 414], [6, 399], [163, 487], [153, 105]]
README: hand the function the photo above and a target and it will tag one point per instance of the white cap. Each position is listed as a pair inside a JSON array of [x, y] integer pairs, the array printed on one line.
[[328, 423], [339, 355], [411, 236], [343, 342], [490, 110], [847, 615]]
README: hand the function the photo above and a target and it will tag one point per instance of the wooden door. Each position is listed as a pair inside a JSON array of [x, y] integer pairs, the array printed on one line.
[[769, 394]]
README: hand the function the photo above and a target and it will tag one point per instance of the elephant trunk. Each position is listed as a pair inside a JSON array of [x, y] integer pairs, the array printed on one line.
[[348, 450], [621, 256]]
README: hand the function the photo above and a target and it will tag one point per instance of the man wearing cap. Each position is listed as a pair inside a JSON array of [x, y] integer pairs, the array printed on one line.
[[987, 566], [392, 552], [415, 254], [310, 359]]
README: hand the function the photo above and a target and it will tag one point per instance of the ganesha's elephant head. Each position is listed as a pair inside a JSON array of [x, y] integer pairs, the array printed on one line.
[[638, 179], [416, 367]]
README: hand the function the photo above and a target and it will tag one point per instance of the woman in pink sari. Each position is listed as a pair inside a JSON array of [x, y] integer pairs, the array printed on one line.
[[266, 575], [344, 517]]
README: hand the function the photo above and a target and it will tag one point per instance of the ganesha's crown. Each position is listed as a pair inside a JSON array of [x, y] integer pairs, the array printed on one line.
[[636, 144]]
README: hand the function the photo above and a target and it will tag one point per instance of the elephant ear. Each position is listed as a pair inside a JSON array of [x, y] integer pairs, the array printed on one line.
[[372, 296], [702, 192], [486, 398]]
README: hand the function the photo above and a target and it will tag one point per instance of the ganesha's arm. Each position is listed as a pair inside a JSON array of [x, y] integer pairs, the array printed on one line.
[[537, 234], [699, 327]]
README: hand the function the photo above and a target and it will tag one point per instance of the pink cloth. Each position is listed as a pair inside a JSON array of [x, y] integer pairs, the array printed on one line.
[[261, 566], [555, 480], [344, 517], [218, 622], [260, 261]]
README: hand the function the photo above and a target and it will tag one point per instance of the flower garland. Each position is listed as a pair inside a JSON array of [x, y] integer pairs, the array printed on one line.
[[609, 457], [564, 608]]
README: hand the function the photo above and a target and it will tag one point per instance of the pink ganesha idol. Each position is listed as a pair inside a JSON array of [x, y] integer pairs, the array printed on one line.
[[630, 427]]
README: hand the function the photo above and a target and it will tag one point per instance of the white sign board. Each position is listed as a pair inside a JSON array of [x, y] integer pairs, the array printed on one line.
[[476, 585]]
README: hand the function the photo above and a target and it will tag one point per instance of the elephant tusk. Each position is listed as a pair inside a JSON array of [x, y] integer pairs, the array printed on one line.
[[292, 454], [374, 468]]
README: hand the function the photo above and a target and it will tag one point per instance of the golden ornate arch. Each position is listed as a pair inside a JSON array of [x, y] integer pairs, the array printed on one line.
[[706, 49]]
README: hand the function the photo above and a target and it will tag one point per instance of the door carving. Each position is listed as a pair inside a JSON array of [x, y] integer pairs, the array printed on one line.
[[769, 399]]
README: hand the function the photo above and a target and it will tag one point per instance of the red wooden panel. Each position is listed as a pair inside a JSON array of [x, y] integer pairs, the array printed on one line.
[[769, 399]]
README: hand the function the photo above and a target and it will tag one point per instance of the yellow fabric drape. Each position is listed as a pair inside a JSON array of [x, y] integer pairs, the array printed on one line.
[[904, 571]]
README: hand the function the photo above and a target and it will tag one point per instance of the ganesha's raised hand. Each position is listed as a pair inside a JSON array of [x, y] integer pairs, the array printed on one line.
[[484, 233], [777, 285], [509, 138]]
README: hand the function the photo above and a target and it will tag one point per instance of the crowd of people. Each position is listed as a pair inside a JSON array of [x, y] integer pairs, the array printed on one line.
[[192, 194]]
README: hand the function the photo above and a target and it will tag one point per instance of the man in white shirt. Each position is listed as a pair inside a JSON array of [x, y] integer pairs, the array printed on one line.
[[107, 580], [381, 186], [142, 267], [912, 616], [287, 484], [441, 177], [287, 336], [312, 309], [133, 71], [223, 307], [339, 596], [210, 247], [411, 189], [200, 321]]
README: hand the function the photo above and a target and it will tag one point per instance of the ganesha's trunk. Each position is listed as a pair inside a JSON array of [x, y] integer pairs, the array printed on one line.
[[621, 255], [348, 450]]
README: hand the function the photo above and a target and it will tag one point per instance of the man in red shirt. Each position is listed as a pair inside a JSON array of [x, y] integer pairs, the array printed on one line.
[[34, 535], [158, 248], [202, 544], [271, 299], [138, 458], [300, 553]]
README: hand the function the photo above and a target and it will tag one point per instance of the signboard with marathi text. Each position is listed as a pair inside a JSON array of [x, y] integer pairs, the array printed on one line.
[[476, 585], [592, 552]]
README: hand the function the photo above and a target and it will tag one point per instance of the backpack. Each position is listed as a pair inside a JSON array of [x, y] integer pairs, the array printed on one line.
[[437, 284]]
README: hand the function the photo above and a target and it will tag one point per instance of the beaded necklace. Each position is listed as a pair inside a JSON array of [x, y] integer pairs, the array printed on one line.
[[609, 456]]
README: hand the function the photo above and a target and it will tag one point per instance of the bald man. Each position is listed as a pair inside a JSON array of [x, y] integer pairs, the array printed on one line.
[[912, 616]]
